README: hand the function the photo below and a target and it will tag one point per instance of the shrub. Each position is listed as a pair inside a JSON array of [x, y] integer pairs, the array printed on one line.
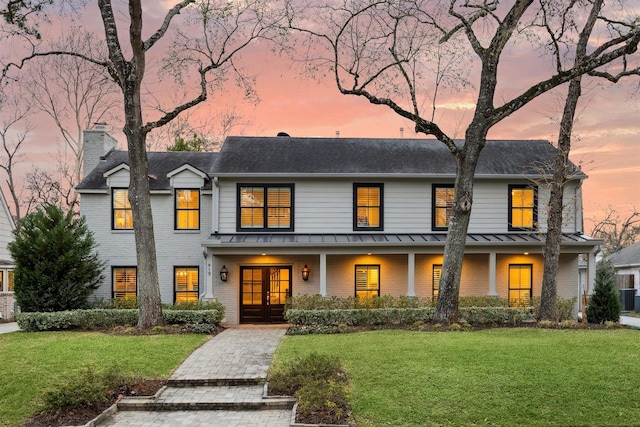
[[566, 308], [287, 380], [482, 301], [100, 318], [604, 305], [199, 305], [56, 267], [323, 402], [86, 388]]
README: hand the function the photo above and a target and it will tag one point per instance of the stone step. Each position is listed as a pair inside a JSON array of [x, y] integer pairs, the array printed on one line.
[[231, 398], [214, 382]]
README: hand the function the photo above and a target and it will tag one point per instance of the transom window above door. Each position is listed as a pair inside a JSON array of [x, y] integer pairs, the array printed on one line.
[[265, 207], [367, 207]]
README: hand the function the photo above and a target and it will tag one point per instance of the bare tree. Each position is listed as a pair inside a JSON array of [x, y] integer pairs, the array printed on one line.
[[616, 231], [15, 113], [212, 127], [562, 168], [212, 36], [74, 94], [377, 49]]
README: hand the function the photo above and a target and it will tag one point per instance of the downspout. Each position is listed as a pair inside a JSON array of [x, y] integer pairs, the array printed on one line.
[[215, 211]]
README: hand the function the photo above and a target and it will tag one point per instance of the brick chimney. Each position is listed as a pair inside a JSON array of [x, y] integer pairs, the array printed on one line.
[[96, 143]]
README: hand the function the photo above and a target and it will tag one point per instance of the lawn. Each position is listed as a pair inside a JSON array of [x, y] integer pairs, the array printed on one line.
[[496, 377], [37, 361]]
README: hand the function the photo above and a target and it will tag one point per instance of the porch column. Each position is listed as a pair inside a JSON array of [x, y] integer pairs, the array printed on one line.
[[492, 275], [208, 278], [591, 272], [411, 273], [323, 274]]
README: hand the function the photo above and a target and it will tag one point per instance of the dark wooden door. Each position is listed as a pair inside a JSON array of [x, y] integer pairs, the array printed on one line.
[[263, 294]]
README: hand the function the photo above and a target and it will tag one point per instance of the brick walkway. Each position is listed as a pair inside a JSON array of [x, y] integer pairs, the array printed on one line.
[[221, 383]]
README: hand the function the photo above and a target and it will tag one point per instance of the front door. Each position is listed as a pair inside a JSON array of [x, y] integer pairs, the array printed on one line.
[[263, 294]]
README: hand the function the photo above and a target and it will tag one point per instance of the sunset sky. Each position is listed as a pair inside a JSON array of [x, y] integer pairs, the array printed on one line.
[[605, 142]]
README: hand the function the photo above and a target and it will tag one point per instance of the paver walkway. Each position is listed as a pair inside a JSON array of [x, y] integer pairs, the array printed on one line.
[[219, 384]]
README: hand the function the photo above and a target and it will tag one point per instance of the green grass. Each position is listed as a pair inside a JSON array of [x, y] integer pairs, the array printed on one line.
[[31, 363], [499, 377]]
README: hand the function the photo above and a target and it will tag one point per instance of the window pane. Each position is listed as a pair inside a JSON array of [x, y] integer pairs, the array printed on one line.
[[520, 284], [122, 215], [186, 280], [522, 207], [187, 209], [368, 205], [10, 280], [437, 273], [124, 282], [367, 280], [443, 200]]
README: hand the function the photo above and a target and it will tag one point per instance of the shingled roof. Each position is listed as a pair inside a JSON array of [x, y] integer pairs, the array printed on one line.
[[160, 164], [365, 156], [286, 156], [629, 256]]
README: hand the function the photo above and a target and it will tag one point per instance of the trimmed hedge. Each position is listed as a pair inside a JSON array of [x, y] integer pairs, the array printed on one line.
[[333, 321], [107, 318]]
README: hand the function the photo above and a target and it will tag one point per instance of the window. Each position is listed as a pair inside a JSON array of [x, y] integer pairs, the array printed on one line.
[[124, 282], [187, 210], [520, 284], [441, 205], [265, 207], [437, 273], [10, 281], [122, 216], [186, 284], [367, 281], [367, 206], [523, 207]]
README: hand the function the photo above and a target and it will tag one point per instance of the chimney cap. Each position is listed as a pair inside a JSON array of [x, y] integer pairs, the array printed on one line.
[[283, 134], [99, 125]]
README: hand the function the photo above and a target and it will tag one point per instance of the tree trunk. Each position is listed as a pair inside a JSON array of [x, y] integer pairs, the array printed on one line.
[[548, 304], [129, 75], [467, 160], [548, 300]]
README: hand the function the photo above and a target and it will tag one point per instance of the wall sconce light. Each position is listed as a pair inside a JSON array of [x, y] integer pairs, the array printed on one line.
[[224, 273], [305, 273]]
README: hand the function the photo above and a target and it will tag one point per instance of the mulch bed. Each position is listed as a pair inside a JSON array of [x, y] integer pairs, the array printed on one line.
[[81, 416]]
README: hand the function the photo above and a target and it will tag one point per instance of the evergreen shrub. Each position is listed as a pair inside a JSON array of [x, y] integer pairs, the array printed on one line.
[[604, 305]]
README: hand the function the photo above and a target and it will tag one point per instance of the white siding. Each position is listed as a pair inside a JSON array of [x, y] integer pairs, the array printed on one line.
[[174, 248], [186, 179], [327, 206], [119, 179]]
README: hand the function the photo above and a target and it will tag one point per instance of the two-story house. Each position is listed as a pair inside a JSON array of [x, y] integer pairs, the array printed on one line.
[[281, 216]]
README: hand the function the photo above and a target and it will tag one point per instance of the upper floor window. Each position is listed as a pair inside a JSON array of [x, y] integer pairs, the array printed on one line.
[[122, 217], [367, 207], [523, 207], [125, 282], [186, 284], [441, 205], [367, 281], [520, 284], [187, 210], [265, 207]]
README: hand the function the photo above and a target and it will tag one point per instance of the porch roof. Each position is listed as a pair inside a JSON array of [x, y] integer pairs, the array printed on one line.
[[417, 240]]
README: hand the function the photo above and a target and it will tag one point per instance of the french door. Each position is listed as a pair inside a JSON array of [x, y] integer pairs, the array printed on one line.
[[263, 294]]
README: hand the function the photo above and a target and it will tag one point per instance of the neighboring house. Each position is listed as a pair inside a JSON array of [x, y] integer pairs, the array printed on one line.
[[7, 225], [627, 264], [281, 216]]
